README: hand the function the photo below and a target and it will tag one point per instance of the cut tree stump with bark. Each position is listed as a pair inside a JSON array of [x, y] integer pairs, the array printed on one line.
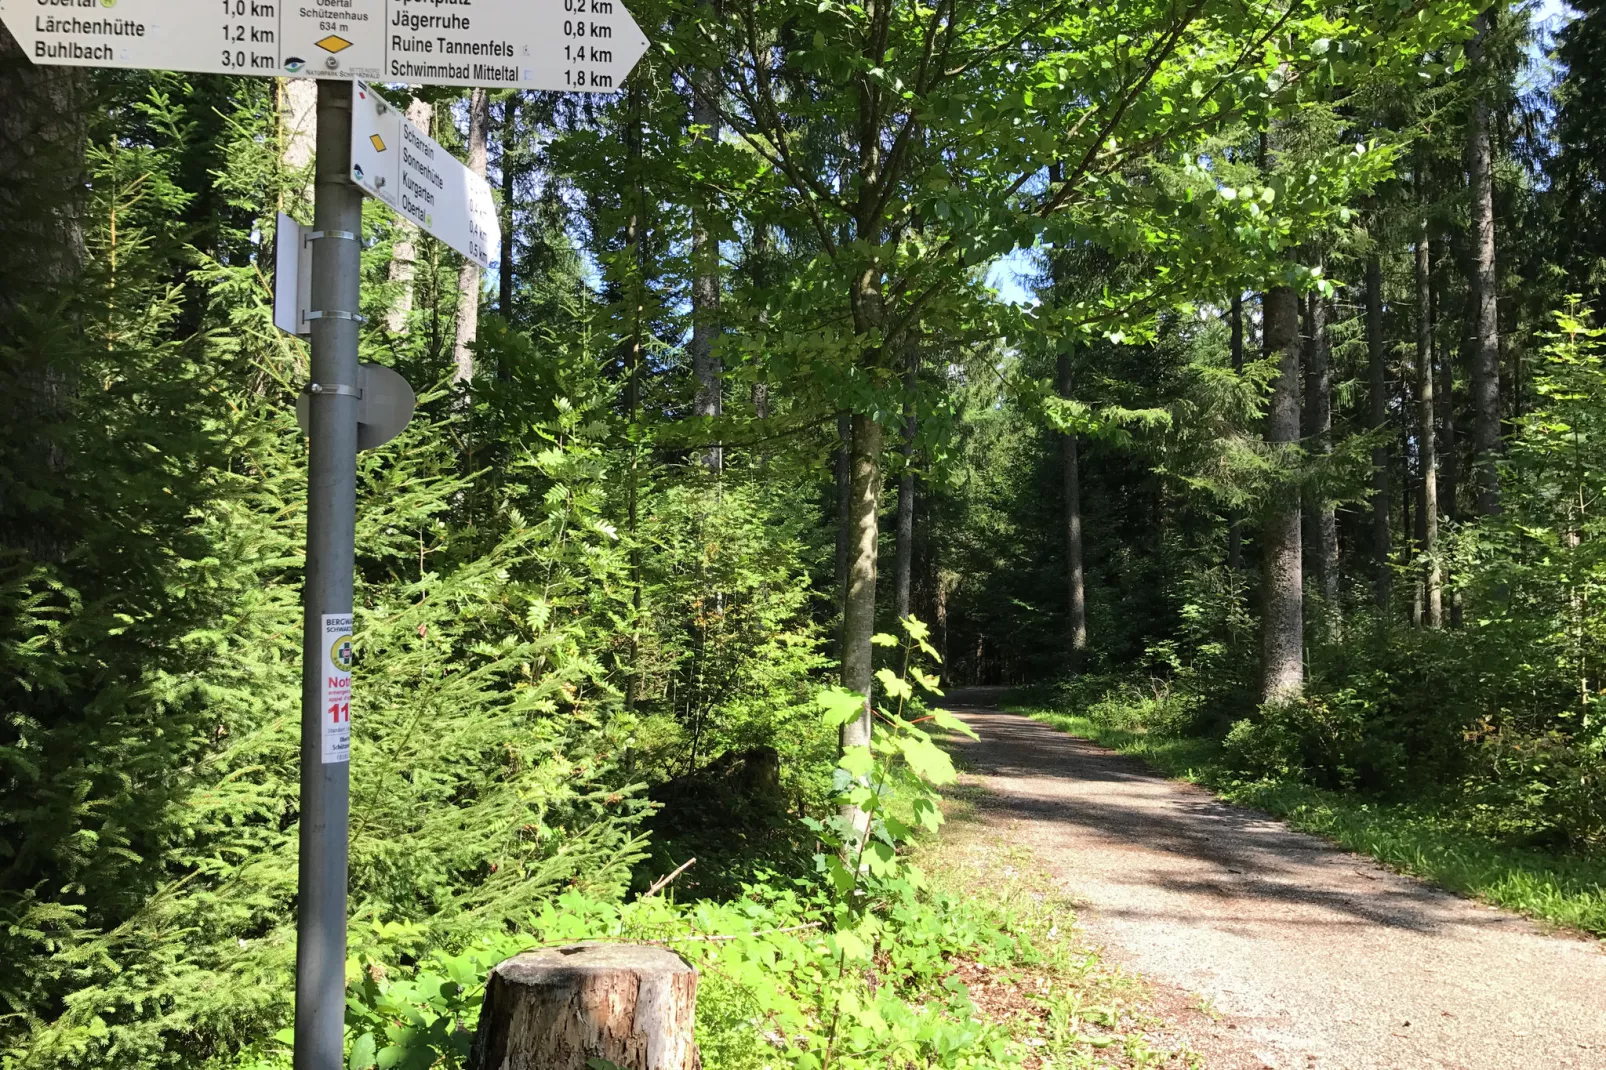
[[559, 1008]]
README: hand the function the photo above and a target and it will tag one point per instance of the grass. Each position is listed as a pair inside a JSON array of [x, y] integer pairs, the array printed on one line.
[[1434, 843]]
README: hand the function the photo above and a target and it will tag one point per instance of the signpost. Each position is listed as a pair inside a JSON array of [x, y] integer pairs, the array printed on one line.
[[580, 45], [364, 147]]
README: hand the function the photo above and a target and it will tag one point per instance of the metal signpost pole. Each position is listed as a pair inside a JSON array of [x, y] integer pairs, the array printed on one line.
[[331, 541]]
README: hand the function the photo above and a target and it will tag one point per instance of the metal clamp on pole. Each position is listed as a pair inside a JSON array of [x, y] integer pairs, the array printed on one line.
[[318, 235], [350, 317], [338, 391]]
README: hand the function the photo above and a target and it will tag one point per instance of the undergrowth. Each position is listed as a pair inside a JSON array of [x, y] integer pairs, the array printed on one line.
[[928, 977], [1444, 840], [882, 954]]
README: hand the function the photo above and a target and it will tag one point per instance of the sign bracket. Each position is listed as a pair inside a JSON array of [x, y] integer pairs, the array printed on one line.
[[342, 391]]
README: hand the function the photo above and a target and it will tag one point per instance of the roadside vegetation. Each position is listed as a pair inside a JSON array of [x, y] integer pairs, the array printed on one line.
[[864, 960], [1425, 829]]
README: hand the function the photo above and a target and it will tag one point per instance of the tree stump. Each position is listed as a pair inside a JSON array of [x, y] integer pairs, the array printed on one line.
[[559, 1008], [761, 772]]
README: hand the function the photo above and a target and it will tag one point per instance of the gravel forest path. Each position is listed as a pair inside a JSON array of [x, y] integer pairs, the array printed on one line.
[[1304, 957]]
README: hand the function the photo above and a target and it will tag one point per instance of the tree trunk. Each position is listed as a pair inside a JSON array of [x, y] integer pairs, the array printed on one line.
[[707, 365], [1319, 411], [569, 1008], [468, 279], [510, 189], [1444, 401], [1378, 387], [903, 577], [759, 275], [1071, 481], [41, 173], [1418, 587], [1485, 296], [42, 185], [1444, 404], [1410, 499], [1237, 328], [858, 611], [1075, 585], [404, 251], [843, 471], [1426, 434], [1408, 496], [1235, 525], [1283, 614], [632, 359], [298, 139]]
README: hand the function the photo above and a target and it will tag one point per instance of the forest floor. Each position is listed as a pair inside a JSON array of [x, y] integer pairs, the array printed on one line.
[[1273, 948]]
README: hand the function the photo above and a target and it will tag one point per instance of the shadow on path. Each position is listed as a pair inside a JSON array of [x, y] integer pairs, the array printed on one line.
[[1325, 958]]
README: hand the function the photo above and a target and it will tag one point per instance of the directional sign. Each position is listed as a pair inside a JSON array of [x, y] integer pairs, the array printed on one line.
[[384, 409], [575, 45], [413, 174], [292, 277]]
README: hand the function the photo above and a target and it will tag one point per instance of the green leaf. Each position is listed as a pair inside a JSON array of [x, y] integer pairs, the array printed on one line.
[[896, 830], [917, 629], [894, 686], [883, 639], [929, 761], [840, 706], [880, 858], [949, 723], [362, 1053], [841, 879], [852, 947], [857, 762], [863, 796], [928, 813]]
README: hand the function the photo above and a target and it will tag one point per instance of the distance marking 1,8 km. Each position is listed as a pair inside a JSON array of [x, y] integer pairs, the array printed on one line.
[[574, 45]]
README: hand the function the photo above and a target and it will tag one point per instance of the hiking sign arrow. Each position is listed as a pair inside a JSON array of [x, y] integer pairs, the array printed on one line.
[[585, 46]]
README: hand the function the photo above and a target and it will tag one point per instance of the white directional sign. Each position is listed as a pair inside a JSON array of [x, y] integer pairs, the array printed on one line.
[[574, 45], [292, 277], [413, 174]]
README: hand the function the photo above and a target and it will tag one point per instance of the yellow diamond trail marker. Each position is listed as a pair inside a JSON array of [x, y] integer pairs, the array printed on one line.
[[585, 46], [377, 142]]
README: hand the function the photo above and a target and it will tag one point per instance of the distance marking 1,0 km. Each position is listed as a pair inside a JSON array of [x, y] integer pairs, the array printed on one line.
[[575, 45]]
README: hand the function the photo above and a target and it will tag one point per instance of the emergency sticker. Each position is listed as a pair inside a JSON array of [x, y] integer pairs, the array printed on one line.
[[337, 660]]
